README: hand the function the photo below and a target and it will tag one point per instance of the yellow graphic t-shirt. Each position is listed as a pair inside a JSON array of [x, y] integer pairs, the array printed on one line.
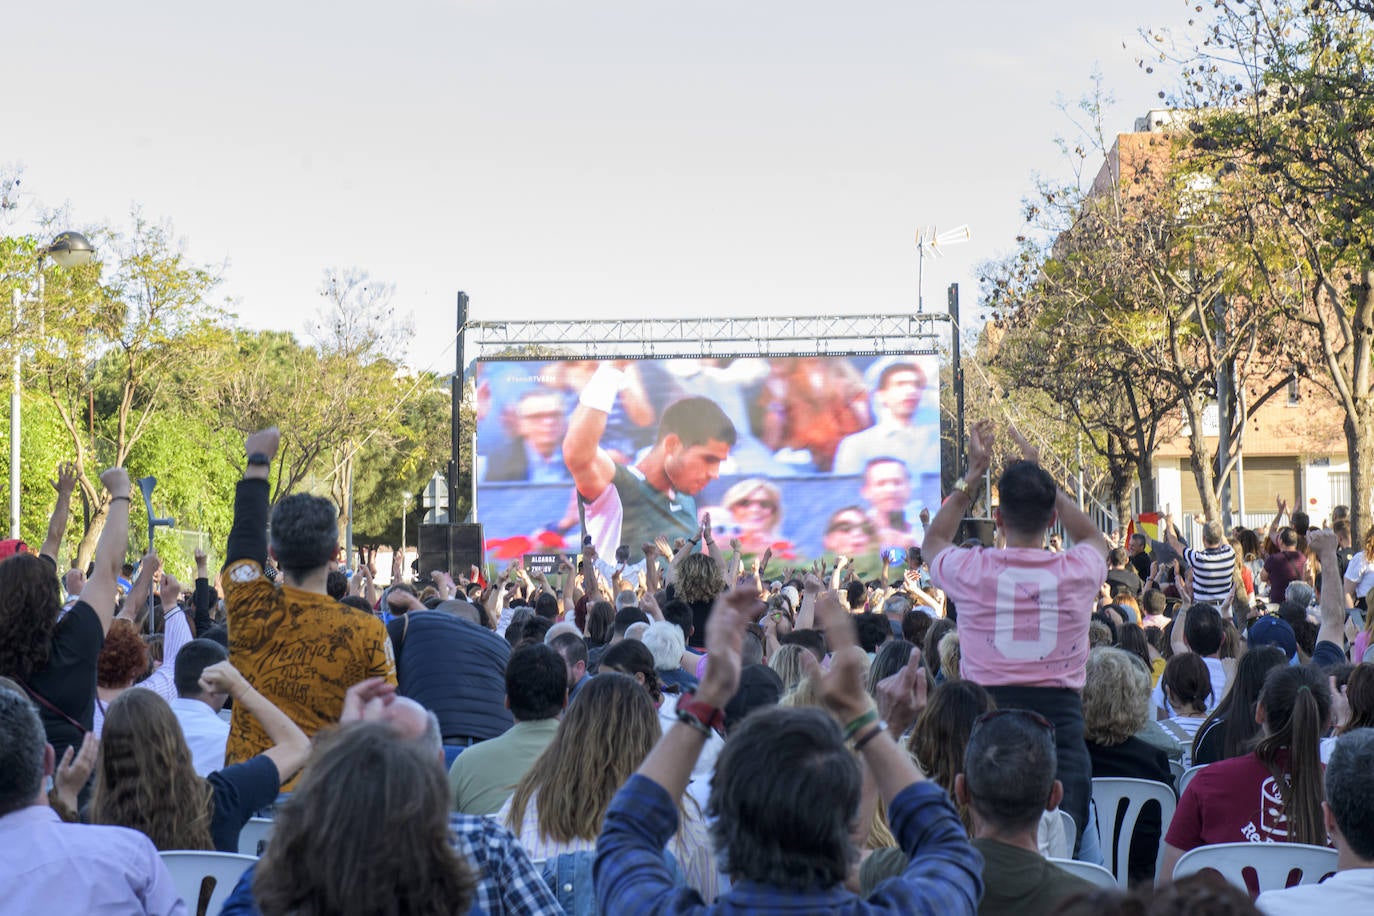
[[302, 650]]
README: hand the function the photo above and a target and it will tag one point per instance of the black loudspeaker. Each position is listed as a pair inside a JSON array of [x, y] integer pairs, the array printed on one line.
[[467, 547], [984, 529], [451, 548]]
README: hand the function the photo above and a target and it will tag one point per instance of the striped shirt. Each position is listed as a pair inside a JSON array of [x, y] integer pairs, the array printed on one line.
[[1213, 569]]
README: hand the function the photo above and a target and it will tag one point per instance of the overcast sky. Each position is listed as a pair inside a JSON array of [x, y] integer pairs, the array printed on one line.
[[604, 158]]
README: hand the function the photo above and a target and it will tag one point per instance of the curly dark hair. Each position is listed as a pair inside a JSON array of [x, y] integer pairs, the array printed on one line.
[[305, 532], [632, 657], [124, 656], [28, 614]]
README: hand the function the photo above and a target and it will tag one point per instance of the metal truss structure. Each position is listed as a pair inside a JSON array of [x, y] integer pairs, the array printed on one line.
[[836, 335]]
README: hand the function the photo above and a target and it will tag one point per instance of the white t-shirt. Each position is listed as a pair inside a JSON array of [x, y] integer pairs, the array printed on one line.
[[1218, 673], [1349, 891], [1360, 570]]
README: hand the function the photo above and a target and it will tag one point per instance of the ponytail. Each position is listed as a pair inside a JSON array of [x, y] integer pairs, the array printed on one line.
[[1297, 704]]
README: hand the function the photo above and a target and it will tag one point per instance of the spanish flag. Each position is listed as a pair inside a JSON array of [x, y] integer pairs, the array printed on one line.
[[1147, 523]]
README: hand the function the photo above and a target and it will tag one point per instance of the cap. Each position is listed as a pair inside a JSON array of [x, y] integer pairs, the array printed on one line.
[[1272, 631]]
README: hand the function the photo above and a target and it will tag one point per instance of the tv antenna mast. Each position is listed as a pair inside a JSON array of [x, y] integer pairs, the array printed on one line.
[[932, 240]]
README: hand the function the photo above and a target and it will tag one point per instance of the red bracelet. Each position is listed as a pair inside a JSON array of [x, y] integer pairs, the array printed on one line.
[[700, 715]]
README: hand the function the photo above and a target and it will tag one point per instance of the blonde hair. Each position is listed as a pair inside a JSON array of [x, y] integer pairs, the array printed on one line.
[[787, 664], [1116, 696], [603, 738], [698, 578], [950, 656]]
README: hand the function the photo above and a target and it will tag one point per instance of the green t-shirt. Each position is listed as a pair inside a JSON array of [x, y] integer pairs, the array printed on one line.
[[486, 774]]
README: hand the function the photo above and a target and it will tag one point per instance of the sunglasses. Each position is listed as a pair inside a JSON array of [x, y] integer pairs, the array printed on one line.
[[1030, 714], [848, 527], [760, 503]]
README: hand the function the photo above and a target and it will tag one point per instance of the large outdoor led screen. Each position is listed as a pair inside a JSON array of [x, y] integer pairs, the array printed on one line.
[[809, 456]]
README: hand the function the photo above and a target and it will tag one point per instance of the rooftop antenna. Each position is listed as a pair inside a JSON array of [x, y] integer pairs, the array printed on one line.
[[932, 240]]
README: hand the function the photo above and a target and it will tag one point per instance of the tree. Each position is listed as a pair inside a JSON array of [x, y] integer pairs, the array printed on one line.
[[1290, 90], [109, 336], [1142, 300]]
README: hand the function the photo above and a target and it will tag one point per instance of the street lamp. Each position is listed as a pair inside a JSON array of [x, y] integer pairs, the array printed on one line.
[[404, 506], [68, 249]]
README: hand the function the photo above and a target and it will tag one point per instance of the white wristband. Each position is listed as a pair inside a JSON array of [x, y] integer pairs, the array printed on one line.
[[601, 390]]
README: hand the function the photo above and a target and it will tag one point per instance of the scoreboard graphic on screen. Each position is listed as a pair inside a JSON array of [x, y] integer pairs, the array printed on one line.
[[808, 456]]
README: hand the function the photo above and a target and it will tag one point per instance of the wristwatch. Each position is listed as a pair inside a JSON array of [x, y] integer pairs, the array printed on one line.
[[962, 486], [259, 458]]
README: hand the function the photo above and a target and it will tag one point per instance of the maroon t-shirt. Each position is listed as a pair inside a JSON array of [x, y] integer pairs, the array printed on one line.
[[1231, 801], [1283, 567]]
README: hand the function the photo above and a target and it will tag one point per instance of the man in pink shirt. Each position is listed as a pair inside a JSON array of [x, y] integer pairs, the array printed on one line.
[[1023, 611]]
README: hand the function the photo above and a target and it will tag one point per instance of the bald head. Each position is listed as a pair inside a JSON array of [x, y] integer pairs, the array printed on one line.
[[460, 608], [415, 723]]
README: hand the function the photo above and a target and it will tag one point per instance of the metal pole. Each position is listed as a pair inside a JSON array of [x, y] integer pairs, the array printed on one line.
[[455, 430], [18, 302], [920, 277], [957, 371], [348, 516], [403, 537]]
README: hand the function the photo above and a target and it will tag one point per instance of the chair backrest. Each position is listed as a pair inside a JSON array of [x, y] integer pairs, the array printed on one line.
[[1109, 793], [1057, 833], [254, 836], [1187, 777], [191, 868], [1087, 871], [451, 752], [1176, 770], [1259, 867]]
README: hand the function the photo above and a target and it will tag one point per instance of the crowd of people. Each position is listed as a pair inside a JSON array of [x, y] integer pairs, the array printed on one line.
[[717, 734]]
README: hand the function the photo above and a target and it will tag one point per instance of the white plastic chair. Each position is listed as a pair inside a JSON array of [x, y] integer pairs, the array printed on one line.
[[1260, 867], [1176, 770], [1088, 872], [254, 836], [190, 868], [1056, 834], [1187, 777], [1108, 793]]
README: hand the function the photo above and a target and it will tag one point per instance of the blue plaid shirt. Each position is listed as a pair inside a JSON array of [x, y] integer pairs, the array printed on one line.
[[508, 882], [944, 877]]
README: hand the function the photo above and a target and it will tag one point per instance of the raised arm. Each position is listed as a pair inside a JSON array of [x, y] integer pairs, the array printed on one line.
[[248, 536], [589, 464], [940, 533], [290, 746], [1281, 511], [57, 525], [1323, 543], [203, 597], [103, 585], [142, 586]]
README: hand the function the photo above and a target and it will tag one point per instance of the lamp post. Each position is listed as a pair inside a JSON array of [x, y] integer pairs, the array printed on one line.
[[404, 506], [68, 249]]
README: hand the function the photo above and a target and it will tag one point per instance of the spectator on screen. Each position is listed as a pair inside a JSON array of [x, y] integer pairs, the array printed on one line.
[[755, 509], [536, 452], [886, 489], [849, 533], [898, 396], [809, 404], [633, 504]]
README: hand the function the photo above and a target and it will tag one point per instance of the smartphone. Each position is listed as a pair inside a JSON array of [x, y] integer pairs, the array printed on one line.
[[895, 556]]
